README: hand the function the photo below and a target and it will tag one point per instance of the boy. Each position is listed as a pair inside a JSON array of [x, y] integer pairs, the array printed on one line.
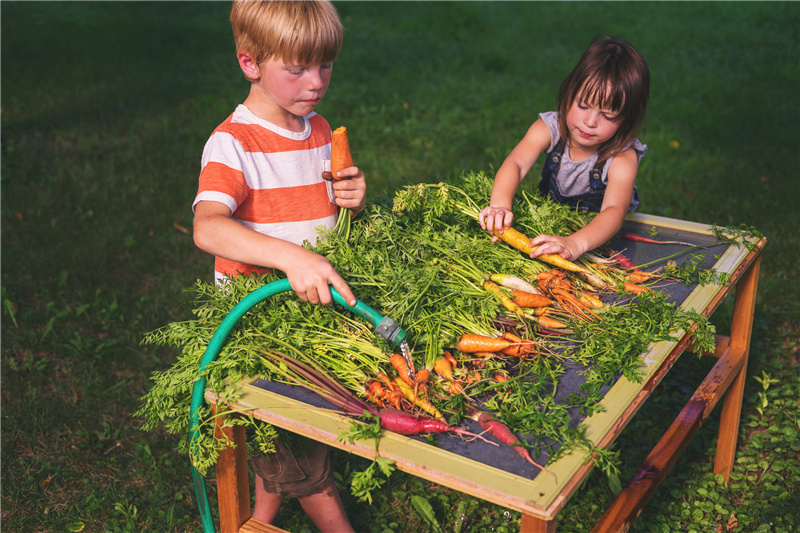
[[264, 190]]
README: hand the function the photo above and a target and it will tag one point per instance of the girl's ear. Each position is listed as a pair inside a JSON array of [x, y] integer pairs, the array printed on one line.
[[248, 65]]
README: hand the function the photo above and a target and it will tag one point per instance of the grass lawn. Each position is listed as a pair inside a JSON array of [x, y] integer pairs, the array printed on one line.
[[106, 107]]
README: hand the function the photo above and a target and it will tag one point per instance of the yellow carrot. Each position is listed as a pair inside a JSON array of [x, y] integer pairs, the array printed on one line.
[[422, 403], [507, 302], [513, 282], [521, 242]]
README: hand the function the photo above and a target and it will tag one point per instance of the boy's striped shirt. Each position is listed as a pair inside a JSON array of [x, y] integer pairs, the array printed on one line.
[[270, 178]]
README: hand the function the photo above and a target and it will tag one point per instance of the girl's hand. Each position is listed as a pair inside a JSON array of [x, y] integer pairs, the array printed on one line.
[[495, 220], [566, 247]]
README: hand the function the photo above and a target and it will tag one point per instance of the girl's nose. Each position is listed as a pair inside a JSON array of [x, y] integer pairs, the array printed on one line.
[[590, 119]]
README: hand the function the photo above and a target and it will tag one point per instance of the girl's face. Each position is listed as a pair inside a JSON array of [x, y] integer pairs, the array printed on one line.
[[589, 127]]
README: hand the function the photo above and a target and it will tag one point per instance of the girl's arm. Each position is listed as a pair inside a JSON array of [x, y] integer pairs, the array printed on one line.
[[619, 190], [498, 216], [308, 273]]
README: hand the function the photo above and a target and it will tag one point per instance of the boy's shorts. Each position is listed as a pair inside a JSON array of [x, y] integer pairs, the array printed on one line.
[[295, 477]]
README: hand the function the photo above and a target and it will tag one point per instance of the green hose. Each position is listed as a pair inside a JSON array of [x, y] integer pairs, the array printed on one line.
[[386, 327]]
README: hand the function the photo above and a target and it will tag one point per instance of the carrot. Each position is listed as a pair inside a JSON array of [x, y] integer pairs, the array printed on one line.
[[638, 238], [452, 360], [484, 355], [500, 376], [529, 299], [404, 423], [471, 343], [443, 367], [519, 241], [340, 152], [513, 282], [549, 323], [503, 433], [638, 277], [636, 289], [520, 348], [403, 370], [422, 403], [506, 300], [590, 300], [623, 261]]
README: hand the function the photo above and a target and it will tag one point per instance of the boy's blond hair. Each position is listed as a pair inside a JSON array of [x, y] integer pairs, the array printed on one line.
[[302, 33]]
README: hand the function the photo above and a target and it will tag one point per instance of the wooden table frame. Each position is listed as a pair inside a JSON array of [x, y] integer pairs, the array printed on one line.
[[725, 381]]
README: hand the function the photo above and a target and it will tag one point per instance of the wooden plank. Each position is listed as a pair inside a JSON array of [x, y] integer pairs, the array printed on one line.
[[233, 484], [257, 526]]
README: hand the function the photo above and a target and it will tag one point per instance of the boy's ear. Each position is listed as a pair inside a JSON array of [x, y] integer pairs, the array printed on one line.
[[248, 65]]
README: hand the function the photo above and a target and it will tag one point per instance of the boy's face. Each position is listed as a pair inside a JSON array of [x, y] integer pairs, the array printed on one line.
[[297, 89]]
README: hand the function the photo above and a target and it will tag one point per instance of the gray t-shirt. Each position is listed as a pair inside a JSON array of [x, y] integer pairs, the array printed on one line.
[[573, 176]]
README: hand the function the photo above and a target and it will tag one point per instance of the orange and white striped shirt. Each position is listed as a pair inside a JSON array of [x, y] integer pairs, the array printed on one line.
[[270, 178]]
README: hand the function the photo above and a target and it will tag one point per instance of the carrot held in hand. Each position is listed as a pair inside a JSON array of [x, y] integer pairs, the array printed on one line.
[[340, 152]]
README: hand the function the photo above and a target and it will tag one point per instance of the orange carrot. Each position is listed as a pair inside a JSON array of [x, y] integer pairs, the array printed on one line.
[[500, 376], [340, 152], [443, 367], [399, 364], [471, 343], [527, 299], [549, 323], [637, 277], [636, 289], [484, 355], [452, 360]]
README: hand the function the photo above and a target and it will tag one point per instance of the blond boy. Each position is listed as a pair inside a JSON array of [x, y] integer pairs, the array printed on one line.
[[264, 190]]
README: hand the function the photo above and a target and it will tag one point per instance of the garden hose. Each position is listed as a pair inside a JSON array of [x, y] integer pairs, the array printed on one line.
[[385, 326]]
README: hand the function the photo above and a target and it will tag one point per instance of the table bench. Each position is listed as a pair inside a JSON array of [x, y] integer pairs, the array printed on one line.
[[540, 498]]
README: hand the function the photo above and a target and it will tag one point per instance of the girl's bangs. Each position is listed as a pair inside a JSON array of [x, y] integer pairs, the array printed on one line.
[[603, 92]]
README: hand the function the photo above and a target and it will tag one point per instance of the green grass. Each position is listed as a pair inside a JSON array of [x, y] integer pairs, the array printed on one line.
[[105, 111]]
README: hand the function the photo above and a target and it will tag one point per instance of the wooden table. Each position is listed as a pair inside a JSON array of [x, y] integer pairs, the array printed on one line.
[[542, 497]]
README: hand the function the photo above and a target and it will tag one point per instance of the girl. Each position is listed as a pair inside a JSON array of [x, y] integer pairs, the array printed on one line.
[[592, 152]]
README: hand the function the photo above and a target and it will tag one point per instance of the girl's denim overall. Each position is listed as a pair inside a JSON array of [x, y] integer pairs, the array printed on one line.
[[591, 199]]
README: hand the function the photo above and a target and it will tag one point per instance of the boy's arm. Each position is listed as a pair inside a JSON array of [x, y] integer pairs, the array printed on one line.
[[308, 273], [616, 201], [498, 215]]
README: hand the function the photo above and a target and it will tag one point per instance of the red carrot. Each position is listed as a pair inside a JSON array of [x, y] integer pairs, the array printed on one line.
[[404, 423], [638, 238], [502, 433], [623, 261]]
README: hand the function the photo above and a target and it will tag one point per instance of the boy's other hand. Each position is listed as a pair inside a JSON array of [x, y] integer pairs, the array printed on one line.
[[350, 188]]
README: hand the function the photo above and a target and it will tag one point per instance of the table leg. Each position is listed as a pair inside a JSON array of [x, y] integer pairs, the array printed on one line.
[[725, 381], [233, 483], [741, 332], [532, 524]]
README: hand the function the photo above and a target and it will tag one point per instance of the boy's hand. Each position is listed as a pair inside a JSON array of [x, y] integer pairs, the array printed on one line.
[[350, 188], [310, 275], [566, 247], [495, 220]]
